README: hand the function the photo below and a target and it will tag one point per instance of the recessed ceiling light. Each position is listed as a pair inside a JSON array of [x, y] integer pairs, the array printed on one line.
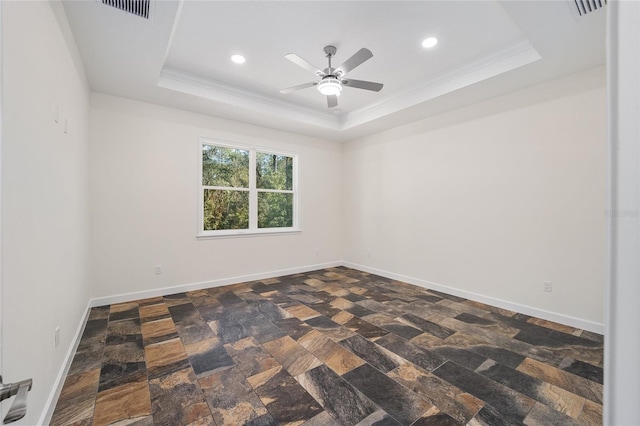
[[238, 59], [429, 42]]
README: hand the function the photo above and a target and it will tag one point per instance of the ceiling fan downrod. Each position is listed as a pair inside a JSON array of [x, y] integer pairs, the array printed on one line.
[[330, 52]]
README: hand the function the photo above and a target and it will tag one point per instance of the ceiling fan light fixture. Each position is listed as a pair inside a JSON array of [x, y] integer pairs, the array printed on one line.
[[330, 86]]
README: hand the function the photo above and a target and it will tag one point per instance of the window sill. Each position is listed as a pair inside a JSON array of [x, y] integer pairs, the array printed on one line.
[[243, 234]]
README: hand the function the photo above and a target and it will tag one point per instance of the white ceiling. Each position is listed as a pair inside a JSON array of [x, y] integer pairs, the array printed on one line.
[[180, 56]]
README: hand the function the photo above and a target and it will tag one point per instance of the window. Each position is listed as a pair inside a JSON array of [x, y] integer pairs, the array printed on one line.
[[246, 190]]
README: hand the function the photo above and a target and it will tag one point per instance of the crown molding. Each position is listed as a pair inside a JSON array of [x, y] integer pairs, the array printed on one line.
[[509, 58], [196, 85]]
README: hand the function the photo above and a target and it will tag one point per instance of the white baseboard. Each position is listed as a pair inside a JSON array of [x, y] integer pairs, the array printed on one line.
[[127, 297], [50, 405], [580, 323]]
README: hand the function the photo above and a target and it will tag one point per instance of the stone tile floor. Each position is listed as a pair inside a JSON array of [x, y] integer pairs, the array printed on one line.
[[330, 347]]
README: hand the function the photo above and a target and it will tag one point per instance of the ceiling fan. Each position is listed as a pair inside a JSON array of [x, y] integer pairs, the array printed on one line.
[[332, 80]]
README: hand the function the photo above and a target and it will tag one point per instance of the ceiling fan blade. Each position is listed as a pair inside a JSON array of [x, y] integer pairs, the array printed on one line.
[[366, 85], [332, 101], [358, 58], [304, 64], [298, 87]]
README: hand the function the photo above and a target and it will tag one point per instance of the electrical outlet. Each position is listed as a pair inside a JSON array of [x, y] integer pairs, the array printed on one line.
[[56, 337], [368, 253], [547, 286], [317, 251], [158, 269]]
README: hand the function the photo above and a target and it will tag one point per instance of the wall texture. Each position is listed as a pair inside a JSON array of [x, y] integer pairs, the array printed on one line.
[[144, 200], [44, 197], [493, 205]]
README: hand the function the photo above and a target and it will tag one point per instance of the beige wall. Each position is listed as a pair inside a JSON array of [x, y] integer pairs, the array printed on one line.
[[44, 197], [491, 200], [144, 200]]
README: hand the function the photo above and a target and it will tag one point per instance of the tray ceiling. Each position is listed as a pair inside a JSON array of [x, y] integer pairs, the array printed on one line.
[[180, 56]]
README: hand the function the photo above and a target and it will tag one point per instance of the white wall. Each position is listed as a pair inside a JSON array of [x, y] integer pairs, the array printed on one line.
[[622, 372], [44, 197], [144, 200], [493, 199]]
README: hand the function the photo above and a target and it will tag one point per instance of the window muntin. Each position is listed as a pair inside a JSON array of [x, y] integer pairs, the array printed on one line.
[[246, 190]]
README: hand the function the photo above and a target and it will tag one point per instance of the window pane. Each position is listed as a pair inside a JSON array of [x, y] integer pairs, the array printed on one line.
[[226, 209], [274, 171], [225, 167], [275, 210]]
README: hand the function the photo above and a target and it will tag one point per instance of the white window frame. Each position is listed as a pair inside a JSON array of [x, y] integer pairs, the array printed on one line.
[[253, 193]]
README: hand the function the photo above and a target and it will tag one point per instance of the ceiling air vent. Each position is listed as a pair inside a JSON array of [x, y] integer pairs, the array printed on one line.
[[136, 7], [588, 6]]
